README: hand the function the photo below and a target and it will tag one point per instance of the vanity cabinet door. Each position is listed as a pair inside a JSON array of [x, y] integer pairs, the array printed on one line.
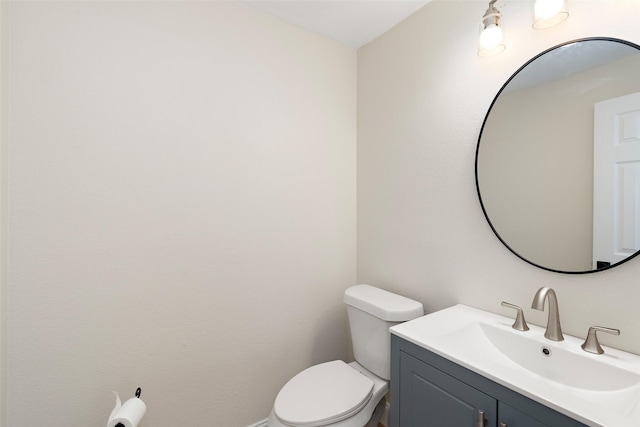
[[428, 390], [431, 398], [511, 417]]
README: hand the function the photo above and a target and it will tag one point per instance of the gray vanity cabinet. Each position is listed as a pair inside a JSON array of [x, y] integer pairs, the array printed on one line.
[[430, 391], [433, 398]]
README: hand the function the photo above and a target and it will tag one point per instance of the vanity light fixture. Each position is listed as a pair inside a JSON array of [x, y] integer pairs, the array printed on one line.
[[491, 40], [547, 13]]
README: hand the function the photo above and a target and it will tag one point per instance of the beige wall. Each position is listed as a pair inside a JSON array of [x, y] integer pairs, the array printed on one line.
[[422, 95], [182, 199], [4, 115], [181, 210]]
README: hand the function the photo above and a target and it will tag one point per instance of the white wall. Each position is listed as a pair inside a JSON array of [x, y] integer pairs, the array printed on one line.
[[181, 209], [422, 95]]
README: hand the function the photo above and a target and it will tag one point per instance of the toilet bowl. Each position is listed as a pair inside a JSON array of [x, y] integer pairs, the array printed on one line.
[[339, 394], [333, 394]]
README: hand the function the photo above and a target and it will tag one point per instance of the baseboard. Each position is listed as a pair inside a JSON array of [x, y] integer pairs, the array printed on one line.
[[262, 423]]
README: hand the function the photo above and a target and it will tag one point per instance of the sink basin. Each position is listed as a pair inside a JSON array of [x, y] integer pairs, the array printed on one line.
[[551, 360], [575, 369], [598, 390]]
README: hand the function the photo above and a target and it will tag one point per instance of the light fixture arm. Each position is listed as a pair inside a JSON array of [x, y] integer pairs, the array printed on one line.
[[491, 16]]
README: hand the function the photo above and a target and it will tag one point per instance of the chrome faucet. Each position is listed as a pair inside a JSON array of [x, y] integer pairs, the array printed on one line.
[[554, 331]]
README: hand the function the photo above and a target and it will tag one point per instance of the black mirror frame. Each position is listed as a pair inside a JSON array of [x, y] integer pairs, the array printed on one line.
[[484, 211]]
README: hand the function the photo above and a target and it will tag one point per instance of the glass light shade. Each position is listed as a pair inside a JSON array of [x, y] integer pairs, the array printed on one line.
[[548, 13], [491, 41]]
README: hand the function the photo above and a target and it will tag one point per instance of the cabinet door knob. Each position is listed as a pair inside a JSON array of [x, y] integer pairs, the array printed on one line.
[[480, 418], [503, 424]]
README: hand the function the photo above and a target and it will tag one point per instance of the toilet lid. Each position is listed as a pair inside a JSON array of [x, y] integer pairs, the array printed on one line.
[[323, 394]]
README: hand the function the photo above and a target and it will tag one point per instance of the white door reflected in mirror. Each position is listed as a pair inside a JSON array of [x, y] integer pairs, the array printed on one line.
[[616, 175]]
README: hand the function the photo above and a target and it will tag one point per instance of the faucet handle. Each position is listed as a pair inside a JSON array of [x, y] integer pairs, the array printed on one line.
[[591, 344], [520, 324]]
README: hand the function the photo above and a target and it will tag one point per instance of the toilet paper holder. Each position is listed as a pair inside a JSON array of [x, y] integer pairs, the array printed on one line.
[[138, 393], [129, 414]]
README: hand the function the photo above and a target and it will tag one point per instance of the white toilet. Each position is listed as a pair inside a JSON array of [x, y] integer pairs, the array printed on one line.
[[338, 394]]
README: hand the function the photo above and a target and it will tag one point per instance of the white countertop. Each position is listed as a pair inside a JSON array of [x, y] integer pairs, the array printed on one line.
[[456, 334]]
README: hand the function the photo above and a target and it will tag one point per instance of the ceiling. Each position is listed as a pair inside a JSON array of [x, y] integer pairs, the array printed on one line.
[[350, 22]]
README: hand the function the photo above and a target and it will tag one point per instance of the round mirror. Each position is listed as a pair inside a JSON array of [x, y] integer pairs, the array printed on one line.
[[558, 157]]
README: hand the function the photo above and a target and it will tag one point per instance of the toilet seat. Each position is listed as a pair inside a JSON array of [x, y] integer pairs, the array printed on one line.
[[323, 394]]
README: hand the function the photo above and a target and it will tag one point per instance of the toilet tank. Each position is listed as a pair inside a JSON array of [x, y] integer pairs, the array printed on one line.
[[372, 311]]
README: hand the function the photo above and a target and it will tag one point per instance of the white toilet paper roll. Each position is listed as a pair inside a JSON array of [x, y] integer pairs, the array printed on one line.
[[127, 415]]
